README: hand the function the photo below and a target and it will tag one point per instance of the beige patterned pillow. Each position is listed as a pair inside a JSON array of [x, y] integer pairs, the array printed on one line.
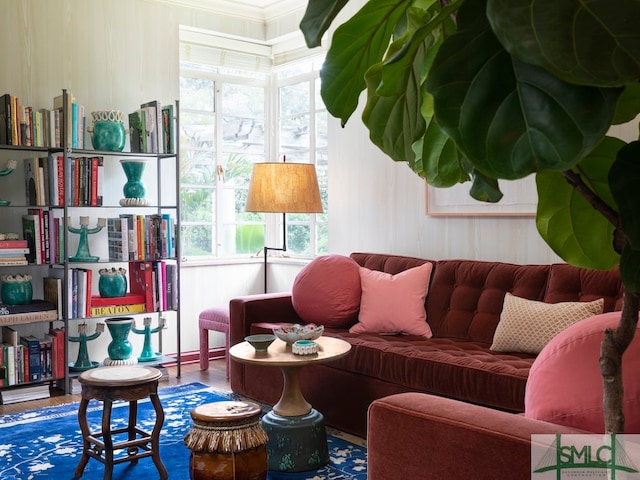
[[527, 325]]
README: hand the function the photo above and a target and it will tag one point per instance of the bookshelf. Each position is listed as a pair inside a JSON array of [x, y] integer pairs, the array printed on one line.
[[89, 230]]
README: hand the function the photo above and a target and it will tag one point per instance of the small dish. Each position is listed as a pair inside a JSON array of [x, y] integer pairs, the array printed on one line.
[[292, 333], [304, 347], [260, 342]]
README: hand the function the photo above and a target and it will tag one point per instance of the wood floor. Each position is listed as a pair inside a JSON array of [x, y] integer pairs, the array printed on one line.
[[215, 377]]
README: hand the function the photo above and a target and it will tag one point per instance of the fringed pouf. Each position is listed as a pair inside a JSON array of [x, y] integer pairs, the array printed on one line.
[[227, 442]]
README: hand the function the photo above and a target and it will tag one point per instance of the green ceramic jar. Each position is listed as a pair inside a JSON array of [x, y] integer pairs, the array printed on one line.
[[16, 289], [108, 133]]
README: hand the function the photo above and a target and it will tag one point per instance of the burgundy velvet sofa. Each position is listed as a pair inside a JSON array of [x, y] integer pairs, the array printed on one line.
[[463, 306]]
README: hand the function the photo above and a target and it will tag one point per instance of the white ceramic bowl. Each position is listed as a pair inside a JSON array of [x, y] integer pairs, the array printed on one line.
[[292, 333]]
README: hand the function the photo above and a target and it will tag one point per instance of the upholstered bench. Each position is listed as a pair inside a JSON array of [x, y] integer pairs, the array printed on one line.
[[217, 320]]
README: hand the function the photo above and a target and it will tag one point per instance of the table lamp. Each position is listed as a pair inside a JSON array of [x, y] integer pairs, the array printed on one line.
[[281, 187]]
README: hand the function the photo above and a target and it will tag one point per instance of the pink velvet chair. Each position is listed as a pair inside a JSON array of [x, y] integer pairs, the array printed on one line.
[[217, 320]]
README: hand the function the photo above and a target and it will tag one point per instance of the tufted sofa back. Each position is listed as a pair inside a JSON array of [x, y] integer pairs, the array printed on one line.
[[465, 296]]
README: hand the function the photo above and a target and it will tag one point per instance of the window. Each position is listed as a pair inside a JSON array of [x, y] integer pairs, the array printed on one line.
[[230, 119]]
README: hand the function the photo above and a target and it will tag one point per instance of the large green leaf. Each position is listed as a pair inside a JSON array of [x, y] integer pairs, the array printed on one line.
[[628, 104], [485, 189], [394, 122], [394, 100], [511, 119], [593, 42], [624, 178], [439, 158], [357, 44], [317, 19], [568, 223]]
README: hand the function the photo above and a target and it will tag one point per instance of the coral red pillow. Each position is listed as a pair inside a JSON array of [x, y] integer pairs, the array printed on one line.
[[393, 304], [327, 291], [565, 384]]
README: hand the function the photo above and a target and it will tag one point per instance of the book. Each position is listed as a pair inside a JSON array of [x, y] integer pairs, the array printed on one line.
[[43, 230], [13, 244], [5, 119], [59, 104], [135, 132], [32, 344], [118, 239], [153, 117], [168, 130], [9, 336], [32, 181], [36, 311], [127, 299], [31, 233], [57, 352], [118, 310], [52, 288], [12, 252], [26, 393], [141, 281]]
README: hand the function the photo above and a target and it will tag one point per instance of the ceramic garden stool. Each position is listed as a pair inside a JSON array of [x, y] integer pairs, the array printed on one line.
[[216, 319], [128, 383], [227, 442]]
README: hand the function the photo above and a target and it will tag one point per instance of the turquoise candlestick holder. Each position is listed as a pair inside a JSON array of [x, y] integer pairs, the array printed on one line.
[[11, 166], [148, 354], [83, 362], [83, 254]]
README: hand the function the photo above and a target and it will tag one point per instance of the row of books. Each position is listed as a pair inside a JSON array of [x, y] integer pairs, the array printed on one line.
[[28, 126], [152, 288], [151, 128], [41, 231], [45, 182], [32, 359], [141, 237], [14, 252]]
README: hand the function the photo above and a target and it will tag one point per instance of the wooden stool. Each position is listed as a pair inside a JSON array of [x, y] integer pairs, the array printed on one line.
[[216, 319], [108, 384], [227, 442]]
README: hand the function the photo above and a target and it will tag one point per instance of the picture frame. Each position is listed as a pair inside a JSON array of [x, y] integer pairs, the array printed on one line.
[[520, 200]]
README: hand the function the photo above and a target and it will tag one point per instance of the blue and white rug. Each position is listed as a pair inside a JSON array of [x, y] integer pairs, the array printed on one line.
[[47, 443]]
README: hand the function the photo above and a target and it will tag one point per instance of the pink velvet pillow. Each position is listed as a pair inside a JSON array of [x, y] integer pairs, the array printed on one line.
[[327, 291], [393, 304], [565, 384]]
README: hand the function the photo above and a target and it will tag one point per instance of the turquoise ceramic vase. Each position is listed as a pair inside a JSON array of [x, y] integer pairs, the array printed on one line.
[[134, 190], [16, 289], [108, 132], [112, 282], [120, 348]]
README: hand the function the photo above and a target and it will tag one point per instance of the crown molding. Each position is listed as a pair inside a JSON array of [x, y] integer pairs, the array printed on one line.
[[260, 10]]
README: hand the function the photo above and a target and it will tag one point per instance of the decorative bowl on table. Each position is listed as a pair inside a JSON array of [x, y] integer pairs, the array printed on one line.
[[261, 341], [292, 333]]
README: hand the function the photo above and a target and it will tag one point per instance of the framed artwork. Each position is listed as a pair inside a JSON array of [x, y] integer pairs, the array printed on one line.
[[519, 200]]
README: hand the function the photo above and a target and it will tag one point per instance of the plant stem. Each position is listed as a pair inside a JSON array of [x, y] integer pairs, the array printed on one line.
[[613, 345]]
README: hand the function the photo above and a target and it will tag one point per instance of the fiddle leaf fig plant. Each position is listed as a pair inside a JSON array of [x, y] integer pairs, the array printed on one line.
[[488, 91]]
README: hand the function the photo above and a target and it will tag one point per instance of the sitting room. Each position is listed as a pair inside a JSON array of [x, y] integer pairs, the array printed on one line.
[[317, 240]]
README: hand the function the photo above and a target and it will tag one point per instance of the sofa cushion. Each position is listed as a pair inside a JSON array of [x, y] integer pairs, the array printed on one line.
[[565, 384], [465, 297], [327, 291], [528, 325], [394, 304], [464, 370]]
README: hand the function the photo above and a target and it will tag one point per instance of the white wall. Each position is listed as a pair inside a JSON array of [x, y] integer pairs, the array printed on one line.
[[115, 54]]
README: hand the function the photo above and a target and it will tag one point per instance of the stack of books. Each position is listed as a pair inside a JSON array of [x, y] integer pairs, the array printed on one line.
[[13, 252]]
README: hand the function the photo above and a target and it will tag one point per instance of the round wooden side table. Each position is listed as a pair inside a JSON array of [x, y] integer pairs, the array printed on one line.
[[128, 383], [297, 435], [227, 442]]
